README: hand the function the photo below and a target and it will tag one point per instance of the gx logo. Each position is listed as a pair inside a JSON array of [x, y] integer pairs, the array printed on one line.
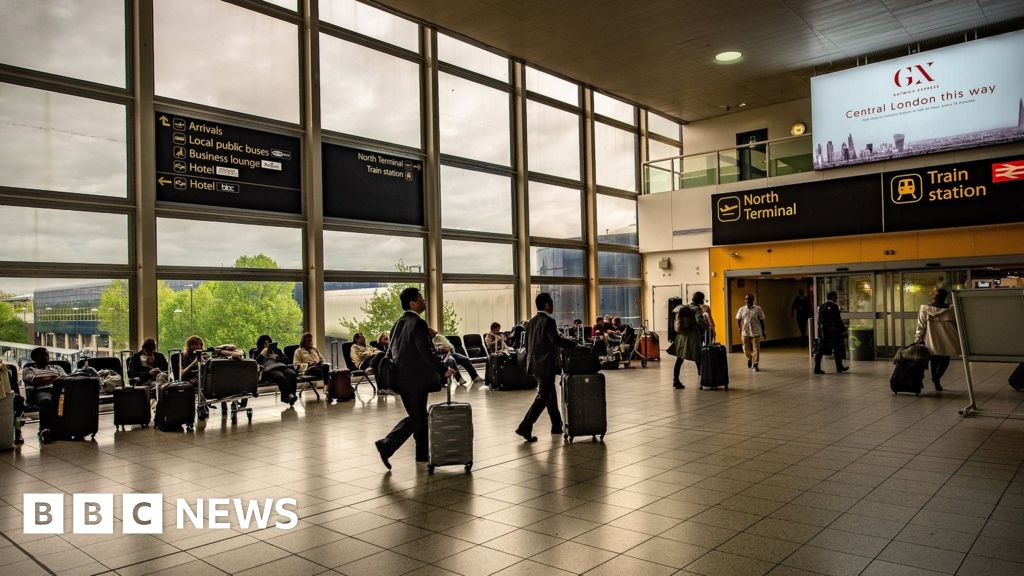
[[911, 75]]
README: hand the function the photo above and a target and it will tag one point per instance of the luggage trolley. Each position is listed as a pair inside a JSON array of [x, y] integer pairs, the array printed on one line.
[[223, 380], [633, 353]]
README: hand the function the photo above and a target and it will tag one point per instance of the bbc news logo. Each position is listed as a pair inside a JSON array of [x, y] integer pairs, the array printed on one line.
[[144, 513]]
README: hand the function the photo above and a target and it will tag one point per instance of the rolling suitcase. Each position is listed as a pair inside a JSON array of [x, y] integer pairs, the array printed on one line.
[[339, 386], [580, 360], [75, 410], [450, 433], [504, 373], [131, 407], [714, 366], [584, 409], [908, 375], [228, 378], [176, 407], [648, 347], [1016, 380]]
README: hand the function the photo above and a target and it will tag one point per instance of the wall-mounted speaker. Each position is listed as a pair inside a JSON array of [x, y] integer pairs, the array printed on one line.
[[665, 263]]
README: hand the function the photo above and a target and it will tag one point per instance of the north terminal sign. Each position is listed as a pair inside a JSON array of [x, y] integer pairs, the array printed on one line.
[[216, 164], [952, 195], [366, 185]]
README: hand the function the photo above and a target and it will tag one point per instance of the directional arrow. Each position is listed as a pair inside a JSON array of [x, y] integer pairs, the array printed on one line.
[[162, 181], [164, 121]]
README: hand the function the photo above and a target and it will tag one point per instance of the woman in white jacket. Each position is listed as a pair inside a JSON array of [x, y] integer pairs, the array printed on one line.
[[936, 329]]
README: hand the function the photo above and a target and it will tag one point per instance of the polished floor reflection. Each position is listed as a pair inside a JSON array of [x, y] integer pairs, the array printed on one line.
[[786, 473]]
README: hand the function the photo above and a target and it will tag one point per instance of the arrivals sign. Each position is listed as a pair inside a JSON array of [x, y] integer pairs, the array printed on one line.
[[961, 194], [216, 164], [972, 193], [961, 96], [837, 207], [366, 185]]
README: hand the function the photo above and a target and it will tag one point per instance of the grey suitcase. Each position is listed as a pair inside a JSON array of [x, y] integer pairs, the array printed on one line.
[[584, 410], [450, 433]]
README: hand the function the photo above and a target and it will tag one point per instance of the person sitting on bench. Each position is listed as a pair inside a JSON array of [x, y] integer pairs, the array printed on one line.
[[275, 371], [149, 366]]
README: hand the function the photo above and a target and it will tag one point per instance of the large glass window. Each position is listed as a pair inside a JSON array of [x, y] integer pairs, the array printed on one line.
[[69, 236], [462, 257], [612, 108], [570, 301], [474, 120], [658, 150], [372, 252], [253, 69], [552, 86], [662, 126], [84, 40], [229, 312], [470, 308], [615, 157], [553, 141], [68, 315], [558, 262], [372, 22], [369, 93], [52, 141], [622, 301], [618, 265], [472, 200], [616, 220], [555, 212], [472, 58], [368, 307], [227, 245]]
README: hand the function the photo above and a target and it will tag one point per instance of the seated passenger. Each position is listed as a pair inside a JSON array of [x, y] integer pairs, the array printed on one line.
[[454, 359], [274, 368], [576, 332], [8, 387], [38, 378], [149, 366], [382, 342], [494, 340], [517, 337], [363, 356], [308, 360], [191, 358]]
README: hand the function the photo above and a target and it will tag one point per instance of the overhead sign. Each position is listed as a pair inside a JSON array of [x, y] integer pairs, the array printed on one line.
[[216, 164], [837, 207], [961, 96], [961, 194], [365, 185]]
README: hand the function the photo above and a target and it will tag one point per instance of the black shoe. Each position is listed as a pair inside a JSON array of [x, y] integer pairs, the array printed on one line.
[[18, 438], [528, 436], [756, 369], [678, 385], [819, 371], [841, 369], [749, 363], [380, 450], [938, 388]]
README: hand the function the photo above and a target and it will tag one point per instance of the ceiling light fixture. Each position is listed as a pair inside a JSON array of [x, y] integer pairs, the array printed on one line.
[[727, 57]]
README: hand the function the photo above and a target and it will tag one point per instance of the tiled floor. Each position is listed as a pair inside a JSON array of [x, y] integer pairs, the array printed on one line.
[[786, 473]]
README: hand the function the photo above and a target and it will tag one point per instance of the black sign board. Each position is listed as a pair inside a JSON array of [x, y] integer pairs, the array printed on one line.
[[212, 163], [960, 194], [838, 207], [364, 185]]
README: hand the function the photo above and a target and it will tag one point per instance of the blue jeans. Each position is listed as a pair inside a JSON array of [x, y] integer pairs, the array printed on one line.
[[456, 360]]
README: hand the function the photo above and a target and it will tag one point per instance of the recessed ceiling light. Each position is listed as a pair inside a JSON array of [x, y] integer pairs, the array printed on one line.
[[730, 56]]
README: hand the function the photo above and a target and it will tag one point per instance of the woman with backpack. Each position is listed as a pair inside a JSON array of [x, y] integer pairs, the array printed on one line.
[[936, 329], [692, 321]]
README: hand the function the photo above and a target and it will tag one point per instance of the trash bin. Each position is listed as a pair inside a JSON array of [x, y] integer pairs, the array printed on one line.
[[862, 343]]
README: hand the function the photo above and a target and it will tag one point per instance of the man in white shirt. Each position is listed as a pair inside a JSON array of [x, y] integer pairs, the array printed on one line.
[[751, 322]]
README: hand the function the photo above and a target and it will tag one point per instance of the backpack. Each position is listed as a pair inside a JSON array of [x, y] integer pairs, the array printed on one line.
[[686, 318]]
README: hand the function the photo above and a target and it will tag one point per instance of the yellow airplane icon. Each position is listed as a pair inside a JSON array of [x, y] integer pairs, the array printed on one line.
[[728, 208]]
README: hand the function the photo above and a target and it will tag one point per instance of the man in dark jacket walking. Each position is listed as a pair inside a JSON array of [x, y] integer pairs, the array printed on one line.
[[830, 334], [543, 343], [416, 371]]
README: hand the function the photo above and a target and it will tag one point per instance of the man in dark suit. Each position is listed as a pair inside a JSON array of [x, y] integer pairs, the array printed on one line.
[[416, 370], [542, 346]]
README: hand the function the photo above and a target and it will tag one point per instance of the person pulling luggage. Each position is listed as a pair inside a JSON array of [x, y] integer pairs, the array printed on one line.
[[831, 331], [936, 329], [416, 371], [543, 344], [692, 321], [750, 318]]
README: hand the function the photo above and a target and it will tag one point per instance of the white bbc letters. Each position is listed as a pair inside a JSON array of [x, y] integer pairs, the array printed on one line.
[[92, 513], [43, 513], [142, 513]]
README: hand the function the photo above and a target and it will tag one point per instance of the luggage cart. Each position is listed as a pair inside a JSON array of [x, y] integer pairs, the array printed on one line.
[[239, 379]]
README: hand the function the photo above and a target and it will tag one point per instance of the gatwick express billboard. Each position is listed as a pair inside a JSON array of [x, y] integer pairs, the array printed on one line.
[[961, 96]]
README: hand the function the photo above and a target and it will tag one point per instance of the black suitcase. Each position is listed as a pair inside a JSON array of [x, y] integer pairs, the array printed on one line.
[[1016, 379], [176, 407], [714, 366], [580, 360], [131, 407], [907, 377], [584, 409], [229, 378], [505, 373], [75, 410]]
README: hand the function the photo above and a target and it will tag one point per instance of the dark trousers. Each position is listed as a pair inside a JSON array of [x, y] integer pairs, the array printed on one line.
[[938, 365], [837, 354], [284, 379], [415, 424], [466, 363], [802, 321], [546, 399], [679, 365]]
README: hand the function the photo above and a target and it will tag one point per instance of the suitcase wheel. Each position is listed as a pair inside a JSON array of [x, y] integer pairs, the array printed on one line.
[[469, 466], [700, 387], [430, 469], [593, 438], [190, 427], [643, 363], [92, 437], [570, 438]]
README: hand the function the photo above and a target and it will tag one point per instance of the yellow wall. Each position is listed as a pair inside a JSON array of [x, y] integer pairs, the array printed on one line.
[[953, 243]]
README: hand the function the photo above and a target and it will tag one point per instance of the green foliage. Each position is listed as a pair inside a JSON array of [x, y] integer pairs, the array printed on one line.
[[12, 328], [384, 307], [113, 314]]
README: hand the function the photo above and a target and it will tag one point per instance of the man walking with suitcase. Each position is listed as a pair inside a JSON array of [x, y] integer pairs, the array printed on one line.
[[830, 334], [750, 318], [416, 370], [543, 343]]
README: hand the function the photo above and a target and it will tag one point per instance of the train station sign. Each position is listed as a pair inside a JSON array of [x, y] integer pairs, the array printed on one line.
[[365, 185], [216, 164]]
